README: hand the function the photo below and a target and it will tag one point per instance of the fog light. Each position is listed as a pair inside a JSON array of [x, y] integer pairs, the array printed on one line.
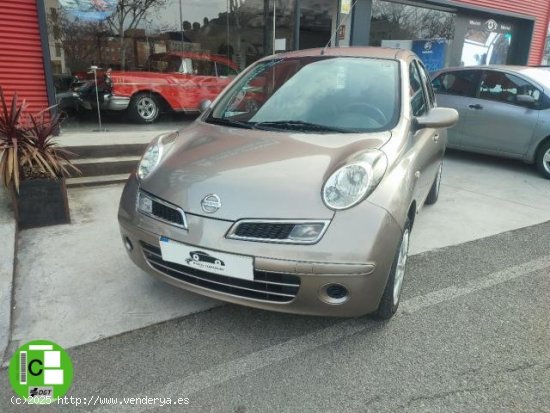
[[307, 232], [128, 244], [334, 294]]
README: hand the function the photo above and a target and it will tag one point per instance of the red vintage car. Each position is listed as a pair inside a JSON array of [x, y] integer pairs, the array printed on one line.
[[175, 81]]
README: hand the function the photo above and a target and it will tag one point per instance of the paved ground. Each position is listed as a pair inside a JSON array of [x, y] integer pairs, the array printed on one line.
[[79, 274], [471, 335], [7, 249]]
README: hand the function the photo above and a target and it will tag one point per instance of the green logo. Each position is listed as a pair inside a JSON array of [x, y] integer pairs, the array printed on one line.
[[41, 371]]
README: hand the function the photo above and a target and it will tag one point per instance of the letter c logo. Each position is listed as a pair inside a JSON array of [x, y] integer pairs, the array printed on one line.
[[31, 369]]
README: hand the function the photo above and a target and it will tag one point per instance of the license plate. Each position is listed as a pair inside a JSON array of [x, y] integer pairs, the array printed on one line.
[[230, 265]]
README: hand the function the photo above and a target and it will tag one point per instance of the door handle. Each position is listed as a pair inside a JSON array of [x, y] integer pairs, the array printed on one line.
[[436, 137], [477, 106]]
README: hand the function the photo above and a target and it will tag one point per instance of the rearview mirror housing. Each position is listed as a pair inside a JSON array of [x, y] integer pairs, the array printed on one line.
[[438, 118], [204, 105]]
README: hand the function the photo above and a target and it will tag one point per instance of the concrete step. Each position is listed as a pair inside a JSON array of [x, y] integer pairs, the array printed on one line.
[[104, 151], [107, 165], [83, 181]]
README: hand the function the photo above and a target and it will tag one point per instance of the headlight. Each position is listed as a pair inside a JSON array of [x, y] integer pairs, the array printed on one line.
[[153, 154], [352, 183]]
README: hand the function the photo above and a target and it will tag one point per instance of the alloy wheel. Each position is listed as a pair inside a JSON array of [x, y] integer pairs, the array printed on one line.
[[546, 160], [400, 267], [147, 108]]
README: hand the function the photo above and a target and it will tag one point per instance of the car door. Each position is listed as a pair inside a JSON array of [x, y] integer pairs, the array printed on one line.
[[497, 122], [455, 89], [427, 142]]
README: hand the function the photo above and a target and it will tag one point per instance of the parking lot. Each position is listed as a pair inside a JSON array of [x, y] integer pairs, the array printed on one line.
[[470, 335]]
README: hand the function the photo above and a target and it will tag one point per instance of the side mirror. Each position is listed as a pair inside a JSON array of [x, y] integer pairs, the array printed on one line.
[[438, 118], [527, 99], [204, 105]]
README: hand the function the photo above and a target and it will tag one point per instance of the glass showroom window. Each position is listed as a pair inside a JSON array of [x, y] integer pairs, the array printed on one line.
[[175, 41], [427, 32]]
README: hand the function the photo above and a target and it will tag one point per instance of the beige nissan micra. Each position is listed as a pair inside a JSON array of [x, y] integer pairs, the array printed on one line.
[[297, 189]]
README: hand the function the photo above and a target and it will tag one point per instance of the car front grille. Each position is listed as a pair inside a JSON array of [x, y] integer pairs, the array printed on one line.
[[265, 230], [266, 286], [167, 213], [157, 208]]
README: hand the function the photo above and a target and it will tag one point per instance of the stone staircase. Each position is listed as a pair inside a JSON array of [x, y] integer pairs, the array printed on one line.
[[104, 164]]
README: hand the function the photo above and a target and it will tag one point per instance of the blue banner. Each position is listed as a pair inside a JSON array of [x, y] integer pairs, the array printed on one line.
[[431, 52], [89, 10]]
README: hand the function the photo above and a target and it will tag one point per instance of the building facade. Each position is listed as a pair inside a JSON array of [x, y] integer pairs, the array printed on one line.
[[43, 40]]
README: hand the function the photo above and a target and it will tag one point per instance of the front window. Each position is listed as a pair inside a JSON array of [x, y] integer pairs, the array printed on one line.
[[504, 87], [314, 94]]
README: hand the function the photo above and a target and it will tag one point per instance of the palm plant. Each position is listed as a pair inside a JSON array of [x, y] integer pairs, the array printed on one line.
[[27, 146]]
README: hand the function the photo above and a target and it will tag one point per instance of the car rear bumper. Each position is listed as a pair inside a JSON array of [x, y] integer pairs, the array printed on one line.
[[287, 278]]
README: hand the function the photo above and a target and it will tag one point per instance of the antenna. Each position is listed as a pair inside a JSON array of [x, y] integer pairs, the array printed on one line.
[[335, 33]]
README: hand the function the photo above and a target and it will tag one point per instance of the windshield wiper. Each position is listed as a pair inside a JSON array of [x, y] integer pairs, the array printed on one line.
[[300, 126], [230, 122]]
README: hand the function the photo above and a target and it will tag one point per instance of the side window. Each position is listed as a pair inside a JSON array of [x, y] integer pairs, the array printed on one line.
[[426, 80], [459, 83], [204, 67], [224, 70], [418, 100], [504, 87]]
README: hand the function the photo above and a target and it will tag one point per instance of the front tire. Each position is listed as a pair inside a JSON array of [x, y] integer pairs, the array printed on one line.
[[434, 191], [144, 108], [392, 293], [543, 160]]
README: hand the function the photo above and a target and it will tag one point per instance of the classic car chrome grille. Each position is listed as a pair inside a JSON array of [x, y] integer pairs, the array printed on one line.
[[266, 286], [267, 230]]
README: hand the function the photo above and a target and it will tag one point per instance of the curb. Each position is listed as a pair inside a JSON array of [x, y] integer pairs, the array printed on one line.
[[8, 251]]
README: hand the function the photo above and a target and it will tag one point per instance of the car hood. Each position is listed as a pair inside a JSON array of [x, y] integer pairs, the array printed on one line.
[[256, 174]]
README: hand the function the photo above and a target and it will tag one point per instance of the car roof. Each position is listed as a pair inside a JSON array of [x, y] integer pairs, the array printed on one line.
[[198, 55], [373, 52], [517, 69], [510, 68]]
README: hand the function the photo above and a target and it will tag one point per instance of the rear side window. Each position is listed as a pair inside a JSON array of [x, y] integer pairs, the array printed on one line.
[[224, 70], [459, 83], [204, 67]]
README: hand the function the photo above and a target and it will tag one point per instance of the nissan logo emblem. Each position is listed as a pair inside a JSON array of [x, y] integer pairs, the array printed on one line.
[[211, 203]]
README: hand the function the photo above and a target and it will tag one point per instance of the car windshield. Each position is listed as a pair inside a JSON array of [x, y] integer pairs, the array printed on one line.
[[314, 94]]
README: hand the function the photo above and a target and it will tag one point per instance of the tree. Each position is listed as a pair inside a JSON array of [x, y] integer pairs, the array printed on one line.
[[127, 16], [80, 39]]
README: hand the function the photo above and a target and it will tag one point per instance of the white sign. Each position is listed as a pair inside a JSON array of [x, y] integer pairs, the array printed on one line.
[[280, 44], [345, 6], [230, 265]]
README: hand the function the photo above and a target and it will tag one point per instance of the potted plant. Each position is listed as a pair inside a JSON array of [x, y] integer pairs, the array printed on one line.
[[32, 167]]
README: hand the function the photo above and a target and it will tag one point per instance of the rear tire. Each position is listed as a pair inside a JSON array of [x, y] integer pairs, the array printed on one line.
[[144, 108], [543, 160], [434, 191], [392, 293]]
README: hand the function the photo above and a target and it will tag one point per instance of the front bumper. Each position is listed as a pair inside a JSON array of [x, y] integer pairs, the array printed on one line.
[[357, 256]]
